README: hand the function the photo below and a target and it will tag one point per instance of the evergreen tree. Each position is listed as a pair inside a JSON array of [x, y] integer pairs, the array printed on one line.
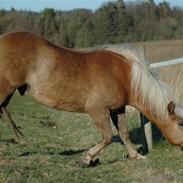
[[88, 34], [106, 24], [47, 22], [165, 9], [122, 21], [3, 21]]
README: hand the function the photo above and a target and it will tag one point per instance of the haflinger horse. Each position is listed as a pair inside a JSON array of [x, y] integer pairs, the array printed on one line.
[[99, 82]]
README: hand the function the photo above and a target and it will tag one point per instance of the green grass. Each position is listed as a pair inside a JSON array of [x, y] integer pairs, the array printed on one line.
[[55, 144]]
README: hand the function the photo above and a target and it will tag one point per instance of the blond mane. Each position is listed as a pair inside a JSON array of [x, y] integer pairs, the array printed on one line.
[[150, 91]]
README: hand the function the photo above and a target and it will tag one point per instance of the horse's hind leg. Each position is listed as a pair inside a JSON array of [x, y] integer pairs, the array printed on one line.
[[101, 118], [7, 116], [118, 118]]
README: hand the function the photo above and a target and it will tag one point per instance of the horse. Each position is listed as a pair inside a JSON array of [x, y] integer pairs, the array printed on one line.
[[99, 82]]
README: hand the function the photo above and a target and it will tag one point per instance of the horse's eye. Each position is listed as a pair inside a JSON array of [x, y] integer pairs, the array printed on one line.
[[180, 123]]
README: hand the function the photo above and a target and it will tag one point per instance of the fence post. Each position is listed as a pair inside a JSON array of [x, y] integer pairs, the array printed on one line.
[[146, 128]]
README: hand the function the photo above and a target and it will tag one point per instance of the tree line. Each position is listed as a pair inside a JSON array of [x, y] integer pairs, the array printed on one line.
[[113, 22]]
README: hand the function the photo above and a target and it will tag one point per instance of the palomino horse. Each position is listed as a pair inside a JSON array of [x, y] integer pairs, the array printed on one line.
[[100, 82]]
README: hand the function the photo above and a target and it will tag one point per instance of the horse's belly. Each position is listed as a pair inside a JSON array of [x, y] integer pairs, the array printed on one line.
[[62, 100], [73, 106], [57, 93]]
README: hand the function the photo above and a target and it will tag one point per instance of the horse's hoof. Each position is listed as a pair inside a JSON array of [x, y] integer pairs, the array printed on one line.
[[84, 164], [95, 163], [139, 157]]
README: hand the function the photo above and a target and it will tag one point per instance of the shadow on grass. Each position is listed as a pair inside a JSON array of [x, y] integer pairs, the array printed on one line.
[[9, 141], [63, 153], [71, 152], [136, 136]]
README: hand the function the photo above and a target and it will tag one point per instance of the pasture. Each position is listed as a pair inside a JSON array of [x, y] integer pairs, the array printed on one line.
[[52, 152]]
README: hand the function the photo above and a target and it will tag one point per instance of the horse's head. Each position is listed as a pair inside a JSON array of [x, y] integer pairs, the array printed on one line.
[[173, 129]]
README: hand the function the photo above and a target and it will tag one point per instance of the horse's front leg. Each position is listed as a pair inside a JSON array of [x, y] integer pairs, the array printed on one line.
[[119, 121], [123, 132], [101, 119]]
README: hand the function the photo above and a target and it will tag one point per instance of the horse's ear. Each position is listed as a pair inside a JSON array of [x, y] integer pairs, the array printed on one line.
[[171, 107]]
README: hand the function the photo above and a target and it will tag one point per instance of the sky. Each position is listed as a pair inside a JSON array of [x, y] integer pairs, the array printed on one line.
[[38, 5]]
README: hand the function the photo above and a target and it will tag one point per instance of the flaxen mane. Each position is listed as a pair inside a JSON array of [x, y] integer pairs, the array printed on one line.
[[154, 93]]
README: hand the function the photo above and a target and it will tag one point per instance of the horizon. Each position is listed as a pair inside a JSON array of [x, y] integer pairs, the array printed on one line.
[[65, 5]]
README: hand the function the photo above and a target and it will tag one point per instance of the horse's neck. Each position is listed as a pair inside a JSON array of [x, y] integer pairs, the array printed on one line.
[[146, 111], [148, 93]]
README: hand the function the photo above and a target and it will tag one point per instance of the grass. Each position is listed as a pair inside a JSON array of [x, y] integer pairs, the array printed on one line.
[[55, 144]]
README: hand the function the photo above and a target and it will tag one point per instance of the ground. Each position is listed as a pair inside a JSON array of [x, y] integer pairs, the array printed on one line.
[[56, 141]]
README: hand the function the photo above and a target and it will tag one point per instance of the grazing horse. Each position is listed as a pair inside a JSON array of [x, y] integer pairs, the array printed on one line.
[[99, 82]]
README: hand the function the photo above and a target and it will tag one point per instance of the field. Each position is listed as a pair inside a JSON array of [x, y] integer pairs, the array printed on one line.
[[173, 76], [157, 51], [56, 141]]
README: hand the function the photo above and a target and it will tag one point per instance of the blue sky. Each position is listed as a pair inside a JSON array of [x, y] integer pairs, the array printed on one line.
[[38, 5]]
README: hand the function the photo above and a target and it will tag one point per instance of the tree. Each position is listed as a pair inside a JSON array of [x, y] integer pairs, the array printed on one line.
[[3, 21], [122, 21], [87, 34], [106, 23], [47, 23], [82, 27], [165, 9]]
